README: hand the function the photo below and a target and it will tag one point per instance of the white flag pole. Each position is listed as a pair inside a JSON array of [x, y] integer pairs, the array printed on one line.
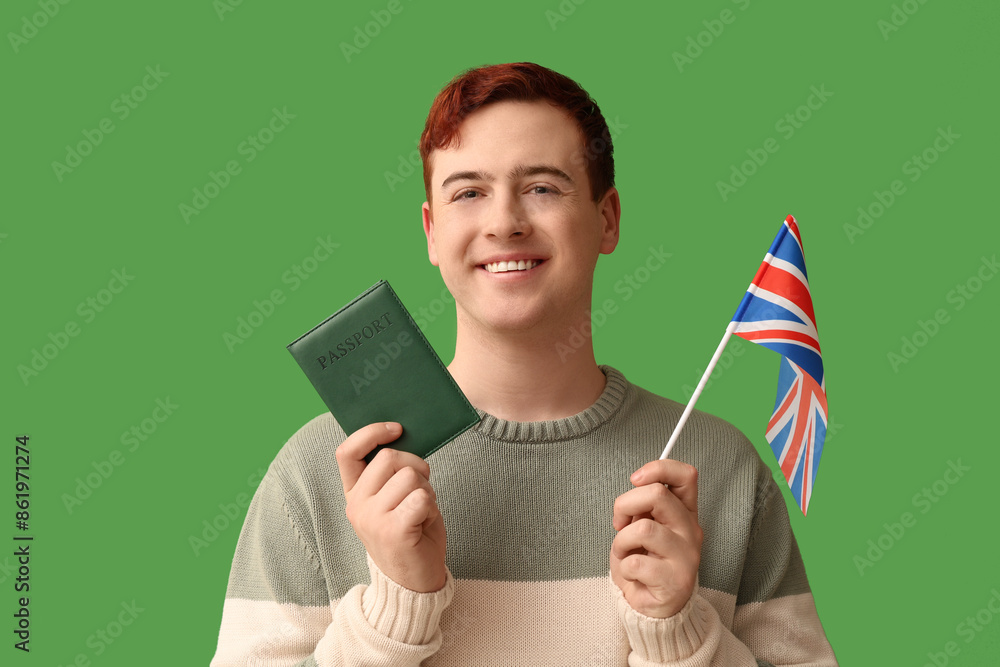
[[697, 391]]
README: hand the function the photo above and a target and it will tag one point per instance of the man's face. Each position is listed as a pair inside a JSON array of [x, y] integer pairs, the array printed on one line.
[[513, 226]]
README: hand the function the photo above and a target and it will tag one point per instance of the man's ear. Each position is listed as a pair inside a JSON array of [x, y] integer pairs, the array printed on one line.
[[610, 208], [429, 233]]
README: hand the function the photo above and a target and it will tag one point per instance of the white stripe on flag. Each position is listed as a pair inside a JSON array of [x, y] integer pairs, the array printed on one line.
[[773, 432], [817, 407], [784, 303], [781, 325], [787, 266]]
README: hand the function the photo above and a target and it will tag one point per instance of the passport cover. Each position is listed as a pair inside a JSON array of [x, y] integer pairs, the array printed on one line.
[[369, 362]]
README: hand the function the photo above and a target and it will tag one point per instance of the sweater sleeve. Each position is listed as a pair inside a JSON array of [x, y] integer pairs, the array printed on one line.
[[775, 621], [278, 610]]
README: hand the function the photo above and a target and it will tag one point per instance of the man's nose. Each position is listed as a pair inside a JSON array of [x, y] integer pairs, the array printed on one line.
[[508, 219]]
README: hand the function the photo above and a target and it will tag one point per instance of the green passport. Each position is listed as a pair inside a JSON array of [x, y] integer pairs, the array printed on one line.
[[369, 362]]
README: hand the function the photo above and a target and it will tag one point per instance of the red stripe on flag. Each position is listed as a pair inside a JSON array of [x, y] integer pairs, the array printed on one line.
[[787, 285], [779, 334], [814, 389]]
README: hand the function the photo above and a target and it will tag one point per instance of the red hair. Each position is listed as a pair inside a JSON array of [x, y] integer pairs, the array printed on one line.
[[525, 82]]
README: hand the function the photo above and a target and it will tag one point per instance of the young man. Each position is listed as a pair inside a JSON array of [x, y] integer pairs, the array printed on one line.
[[549, 534]]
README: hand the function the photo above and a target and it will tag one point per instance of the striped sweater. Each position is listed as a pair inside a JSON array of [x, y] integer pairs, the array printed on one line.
[[527, 507]]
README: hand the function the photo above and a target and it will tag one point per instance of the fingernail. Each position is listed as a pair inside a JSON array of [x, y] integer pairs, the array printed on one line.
[[392, 427]]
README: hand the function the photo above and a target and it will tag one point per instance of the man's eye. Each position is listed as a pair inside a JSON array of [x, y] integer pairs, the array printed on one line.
[[542, 190], [466, 194]]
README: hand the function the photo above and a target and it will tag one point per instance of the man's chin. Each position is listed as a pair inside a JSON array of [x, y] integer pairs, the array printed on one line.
[[513, 321]]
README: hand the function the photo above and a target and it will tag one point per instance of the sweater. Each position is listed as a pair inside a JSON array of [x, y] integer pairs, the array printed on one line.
[[527, 508]]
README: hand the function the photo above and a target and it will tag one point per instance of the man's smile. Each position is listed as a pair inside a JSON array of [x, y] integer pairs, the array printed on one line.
[[504, 266]]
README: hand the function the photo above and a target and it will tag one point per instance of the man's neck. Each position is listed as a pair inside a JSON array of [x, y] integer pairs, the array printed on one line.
[[526, 377]]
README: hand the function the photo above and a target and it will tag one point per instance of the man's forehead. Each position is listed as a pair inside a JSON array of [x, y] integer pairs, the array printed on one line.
[[511, 136], [513, 117]]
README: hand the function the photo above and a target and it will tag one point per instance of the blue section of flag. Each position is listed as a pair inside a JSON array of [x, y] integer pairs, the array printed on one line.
[[762, 311], [807, 360]]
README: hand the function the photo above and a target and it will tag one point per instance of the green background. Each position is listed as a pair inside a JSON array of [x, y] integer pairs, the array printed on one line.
[[682, 126]]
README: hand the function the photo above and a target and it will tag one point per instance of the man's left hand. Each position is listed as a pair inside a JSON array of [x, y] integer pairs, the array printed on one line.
[[655, 556]]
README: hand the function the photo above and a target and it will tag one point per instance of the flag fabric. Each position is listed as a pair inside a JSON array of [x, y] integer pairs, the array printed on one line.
[[777, 312]]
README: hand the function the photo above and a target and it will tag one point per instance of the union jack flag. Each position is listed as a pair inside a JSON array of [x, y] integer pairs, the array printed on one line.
[[777, 312]]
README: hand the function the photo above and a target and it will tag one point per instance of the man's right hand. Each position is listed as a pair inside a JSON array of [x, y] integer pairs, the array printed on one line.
[[393, 508]]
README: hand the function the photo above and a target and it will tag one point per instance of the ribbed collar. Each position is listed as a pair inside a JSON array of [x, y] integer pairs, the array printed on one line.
[[601, 411]]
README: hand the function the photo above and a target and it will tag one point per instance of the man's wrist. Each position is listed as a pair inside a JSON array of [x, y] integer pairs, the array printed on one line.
[[400, 613], [666, 639]]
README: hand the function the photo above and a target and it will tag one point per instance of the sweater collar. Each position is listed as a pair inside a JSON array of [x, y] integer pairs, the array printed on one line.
[[574, 426]]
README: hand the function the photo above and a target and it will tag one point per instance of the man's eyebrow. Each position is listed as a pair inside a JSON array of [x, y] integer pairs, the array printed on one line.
[[535, 170], [522, 171], [467, 176]]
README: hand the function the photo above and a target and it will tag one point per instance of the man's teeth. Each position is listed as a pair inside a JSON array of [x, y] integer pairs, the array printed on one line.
[[519, 265]]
